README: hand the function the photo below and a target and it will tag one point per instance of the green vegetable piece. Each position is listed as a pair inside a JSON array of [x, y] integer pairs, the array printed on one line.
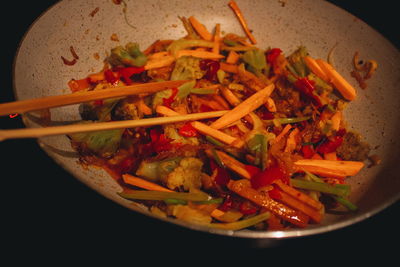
[[280, 121], [346, 203], [103, 143], [156, 170], [159, 195], [242, 224], [214, 141], [185, 89], [230, 42], [220, 76], [187, 68], [202, 91], [296, 62], [339, 189], [130, 55], [256, 59], [174, 201]]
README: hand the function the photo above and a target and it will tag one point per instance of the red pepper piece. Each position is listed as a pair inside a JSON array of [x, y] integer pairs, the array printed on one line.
[[187, 130], [307, 151], [306, 87], [168, 101], [268, 176], [330, 145], [248, 208], [211, 67], [253, 170], [127, 72], [110, 76], [272, 55], [159, 142], [275, 193], [222, 177]]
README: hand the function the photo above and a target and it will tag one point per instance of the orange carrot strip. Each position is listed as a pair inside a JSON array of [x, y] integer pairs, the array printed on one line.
[[315, 68], [232, 58], [299, 195], [244, 108], [291, 141], [282, 134], [217, 39], [244, 189], [200, 29], [139, 182], [231, 163], [228, 67], [198, 54], [232, 4], [330, 156], [296, 204], [337, 168]]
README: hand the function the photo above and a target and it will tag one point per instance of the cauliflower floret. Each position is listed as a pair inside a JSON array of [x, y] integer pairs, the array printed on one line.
[[187, 175]]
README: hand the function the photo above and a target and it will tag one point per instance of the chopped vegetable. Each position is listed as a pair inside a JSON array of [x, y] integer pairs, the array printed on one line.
[[102, 143], [129, 55], [159, 195], [234, 226]]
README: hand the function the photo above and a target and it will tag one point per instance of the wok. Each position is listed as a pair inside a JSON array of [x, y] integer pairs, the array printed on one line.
[[38, 71]]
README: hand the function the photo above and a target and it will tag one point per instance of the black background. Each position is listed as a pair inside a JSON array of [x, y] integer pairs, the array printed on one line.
[[43, 207]]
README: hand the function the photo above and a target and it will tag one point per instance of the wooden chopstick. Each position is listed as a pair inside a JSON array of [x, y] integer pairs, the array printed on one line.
[[80, 97], [100, 126]]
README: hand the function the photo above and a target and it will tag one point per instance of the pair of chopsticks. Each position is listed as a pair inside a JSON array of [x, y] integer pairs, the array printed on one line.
[[80, 97]]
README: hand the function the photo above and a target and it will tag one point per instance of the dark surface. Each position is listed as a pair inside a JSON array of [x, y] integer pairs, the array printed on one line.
[[44, 207]]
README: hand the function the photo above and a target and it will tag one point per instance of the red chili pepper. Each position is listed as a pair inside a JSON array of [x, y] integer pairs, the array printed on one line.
[[267, 115], [307, 151], [110, 76], [253, 170], [272, 55], [187, 130], [168, 101], [211, 67], [247, 208], [204, 108], [99, 102], [126, 73], [330, 145], [227, 204], [159, 142], [267, 176], [306, 87], [222, 177], [275, 193]]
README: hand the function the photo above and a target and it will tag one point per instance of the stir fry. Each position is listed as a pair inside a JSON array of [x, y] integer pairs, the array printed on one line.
[[278, 158]]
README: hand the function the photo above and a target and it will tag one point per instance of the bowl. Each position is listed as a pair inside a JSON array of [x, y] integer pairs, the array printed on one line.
[[92, 28]]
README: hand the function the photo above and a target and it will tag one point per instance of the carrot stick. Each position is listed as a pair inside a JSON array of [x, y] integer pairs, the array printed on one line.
[[299, 195], [229, 96], [204, 128], [296, 204], [291, 141], [244, 189], [200, 29], [228, 67], [282, 134], [315, 68], [231, 163], [198, 54], [217, 39], [343, 86], [244, 108], [336, 119], [330, 168], [232, 58], [232, 4], [139, 182]]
